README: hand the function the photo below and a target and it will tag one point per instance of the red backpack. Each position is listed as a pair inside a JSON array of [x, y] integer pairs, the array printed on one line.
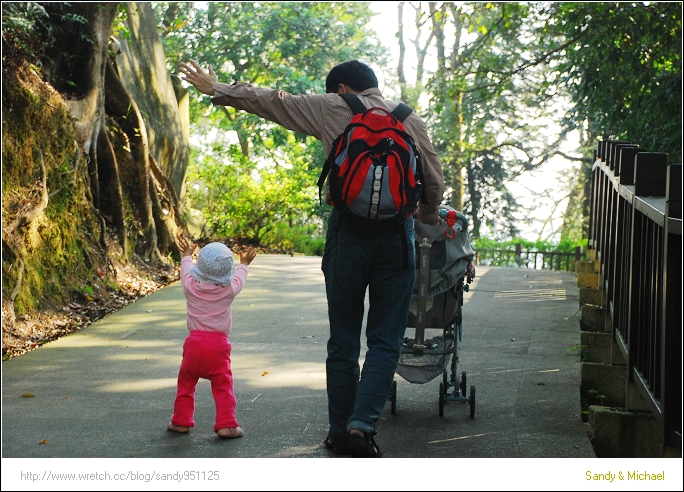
[[374, 168]]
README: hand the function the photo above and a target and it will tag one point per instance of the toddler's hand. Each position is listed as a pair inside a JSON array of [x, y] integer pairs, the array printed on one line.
[[247, 257], [186, 246]]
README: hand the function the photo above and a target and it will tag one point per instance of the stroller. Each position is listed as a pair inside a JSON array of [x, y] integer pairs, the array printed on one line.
[[444, 272]]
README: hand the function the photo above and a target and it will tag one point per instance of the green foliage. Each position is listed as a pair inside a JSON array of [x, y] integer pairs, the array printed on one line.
[[305, 239], [497, 86], [42, 19], [489, 101], [624, 70], [597, 395], [538, 245], [618, 65], [35, 32], [252, 199], [261, 187], [502, 253], [120, 27], [20, 30], [20, 18]]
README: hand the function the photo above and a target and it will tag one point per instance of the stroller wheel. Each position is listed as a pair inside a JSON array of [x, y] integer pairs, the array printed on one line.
[[472, 401], [393, 397], [442, 394], [463, 383]]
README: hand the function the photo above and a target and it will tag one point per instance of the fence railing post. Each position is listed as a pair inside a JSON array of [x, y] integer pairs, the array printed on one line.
[[671, 364], [636, 234]]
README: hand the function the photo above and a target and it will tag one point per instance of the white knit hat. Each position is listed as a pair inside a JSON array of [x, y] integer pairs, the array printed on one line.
[[214, 265]]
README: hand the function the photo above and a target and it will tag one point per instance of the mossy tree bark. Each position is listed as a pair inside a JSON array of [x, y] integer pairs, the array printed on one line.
[[107, 118], [124, 110], [78, 174]]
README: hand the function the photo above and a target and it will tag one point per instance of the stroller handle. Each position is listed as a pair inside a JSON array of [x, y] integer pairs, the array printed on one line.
[[444, 214]]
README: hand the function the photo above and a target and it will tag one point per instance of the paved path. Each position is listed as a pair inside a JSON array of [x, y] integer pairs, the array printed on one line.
[[107, 392]]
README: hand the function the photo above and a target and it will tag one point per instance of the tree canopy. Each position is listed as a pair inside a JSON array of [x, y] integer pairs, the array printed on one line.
[[252, 178], [623, 71], [506, 70], [503, 71]]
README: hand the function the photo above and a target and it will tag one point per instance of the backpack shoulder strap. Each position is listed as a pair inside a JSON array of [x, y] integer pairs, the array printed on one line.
[[354, 103], [357, 107], [402, 111]]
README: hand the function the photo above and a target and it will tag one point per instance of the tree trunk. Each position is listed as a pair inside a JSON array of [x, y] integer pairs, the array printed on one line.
[[402, 52], [122, 107], [77, 171], [457, 200], [110, 179], [438, 30], [98, 94], [475, 203], [421, 51], [142, 69], [87, 55]]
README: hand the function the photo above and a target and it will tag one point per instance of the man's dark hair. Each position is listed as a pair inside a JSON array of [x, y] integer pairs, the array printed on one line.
[[355, 74]]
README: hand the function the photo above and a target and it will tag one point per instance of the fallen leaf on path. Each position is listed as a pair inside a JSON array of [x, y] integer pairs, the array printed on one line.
[[27, 395], [44, 441], [265, 372]]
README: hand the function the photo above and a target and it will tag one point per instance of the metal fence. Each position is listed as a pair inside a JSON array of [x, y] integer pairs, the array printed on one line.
[[636, 231], [527, 258]]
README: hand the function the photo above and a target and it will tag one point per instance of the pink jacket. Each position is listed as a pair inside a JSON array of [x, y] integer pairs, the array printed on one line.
[[208, 305]]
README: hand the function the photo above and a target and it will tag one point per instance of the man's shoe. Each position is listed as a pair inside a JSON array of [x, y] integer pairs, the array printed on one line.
[[335, 447], [363, 446]]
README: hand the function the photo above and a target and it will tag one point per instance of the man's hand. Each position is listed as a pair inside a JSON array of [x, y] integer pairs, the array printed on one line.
[[203, 82], [426, 217]]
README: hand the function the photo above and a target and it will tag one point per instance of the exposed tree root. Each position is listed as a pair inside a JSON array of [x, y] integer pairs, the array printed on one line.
[[111, 181], [123, 108], [27, 217]]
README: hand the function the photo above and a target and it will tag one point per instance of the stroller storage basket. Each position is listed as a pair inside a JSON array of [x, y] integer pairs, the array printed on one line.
[[420, 369], [442, 313]]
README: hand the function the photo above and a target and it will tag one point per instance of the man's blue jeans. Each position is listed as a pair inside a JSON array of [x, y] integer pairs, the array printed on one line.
[[351, 263]]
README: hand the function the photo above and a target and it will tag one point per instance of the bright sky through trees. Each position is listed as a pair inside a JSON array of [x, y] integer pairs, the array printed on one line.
[[548, 176]]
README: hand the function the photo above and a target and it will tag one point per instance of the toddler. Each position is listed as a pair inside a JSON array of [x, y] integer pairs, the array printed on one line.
[[210, 286]]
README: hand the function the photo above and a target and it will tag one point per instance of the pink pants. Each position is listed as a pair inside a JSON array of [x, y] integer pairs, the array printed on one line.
[[206, 354]]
